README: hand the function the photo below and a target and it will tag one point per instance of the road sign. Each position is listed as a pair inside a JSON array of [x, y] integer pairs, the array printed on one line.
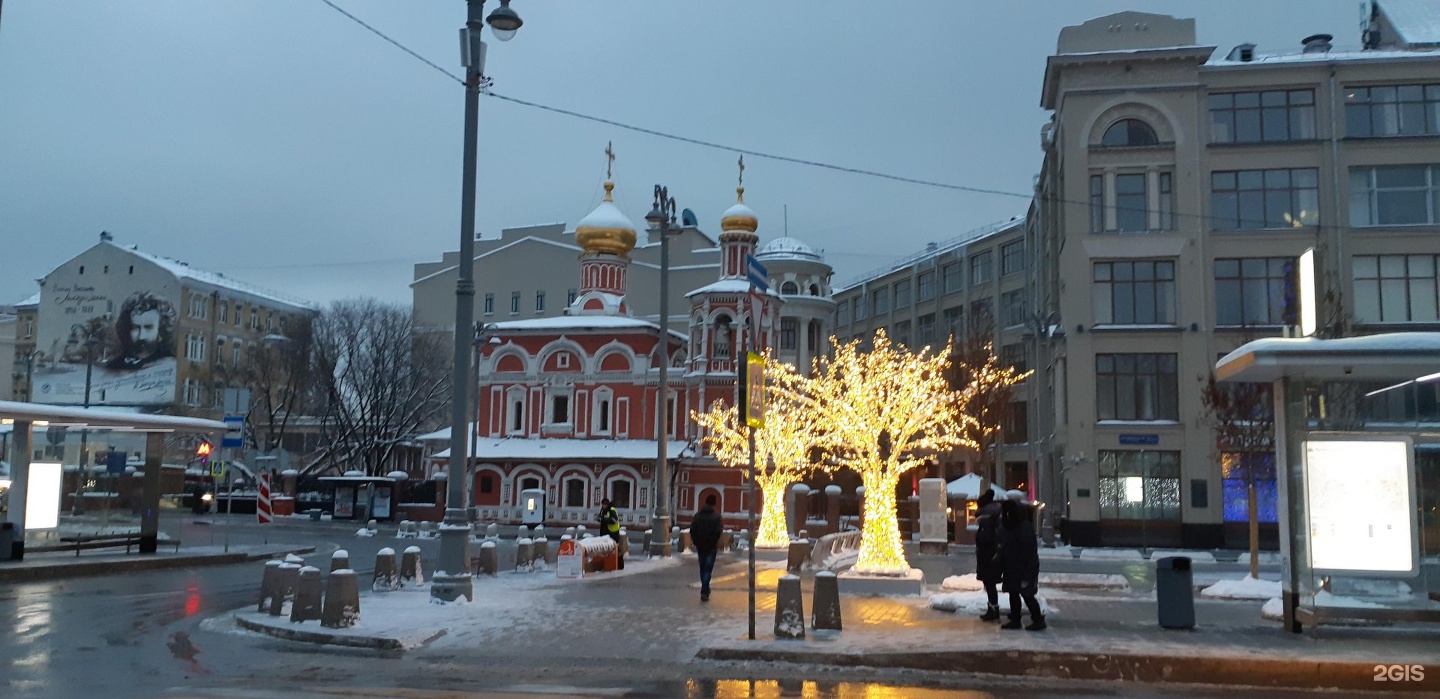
[[757, 274], [568, 561], [754, 390], [217, 469], [234, 432]]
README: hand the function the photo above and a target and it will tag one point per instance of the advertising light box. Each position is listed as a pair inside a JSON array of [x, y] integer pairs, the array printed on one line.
[[42, 496], [1360, 501]]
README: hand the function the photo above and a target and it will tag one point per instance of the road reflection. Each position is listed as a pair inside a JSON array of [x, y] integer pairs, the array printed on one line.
[[811, 689]]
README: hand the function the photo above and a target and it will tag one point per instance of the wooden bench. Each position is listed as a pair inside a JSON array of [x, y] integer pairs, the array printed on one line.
[[100, 541]]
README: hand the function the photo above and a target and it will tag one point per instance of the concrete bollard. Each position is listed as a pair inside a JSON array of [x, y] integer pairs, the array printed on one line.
[[492, 531], [684, 545], [306, 606], [645, 541], [832, 509], [487, 560], [860, 497], [269, 585], [742, 538], [570, 532], [624, 543], [675, 536], [538, 553], [825, 608], [403, 529], [539, 532], [727, 541], [427, 530], [342, 600], [339, 560], [370, 525], [799, 553], [579, 532], [289, 579], [410, 570], [522, 533], [789, 609], [386, 579], [524, 554]]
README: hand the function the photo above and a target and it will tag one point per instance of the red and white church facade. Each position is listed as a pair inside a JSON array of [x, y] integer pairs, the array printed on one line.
[[568, 404]]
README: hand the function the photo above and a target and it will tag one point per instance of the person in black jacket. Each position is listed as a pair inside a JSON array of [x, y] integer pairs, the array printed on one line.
[[1020, 562], [987, 552], [705, 537]]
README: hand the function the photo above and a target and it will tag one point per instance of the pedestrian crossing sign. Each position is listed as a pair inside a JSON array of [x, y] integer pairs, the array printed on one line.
[[754, 390]]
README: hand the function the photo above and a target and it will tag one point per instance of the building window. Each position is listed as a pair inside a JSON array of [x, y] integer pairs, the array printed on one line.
[[789, 333], [982, 316], [199, 307], [1012, 308], [529, 484], [1396, 288], [720, 338], [570, 297], [575, 492], [925, 285], [1252, 290], [29, 329], [1392, 110], [1251, 199], [953, 277], [1097, 203], [192, 393], [517, 414], [235, 353], [1136, 387], [559, 410], [602, 414], [254, 318], [1014, 356], [880, 301], [842, 309], [789, 289], [220, 351], [860, 313], [540, 301], [487, 484], [195, 348], [1131, 199], [1394, 195], [980, 268], [954, 319], [1012, 257], [489, 304], [1239, 469], [1134, 293], [902, 294], [514, 303], [926, 327], [620, 493], [1129, 132], [1139, 484], [1262, 117], [900, 333], [238, 314]]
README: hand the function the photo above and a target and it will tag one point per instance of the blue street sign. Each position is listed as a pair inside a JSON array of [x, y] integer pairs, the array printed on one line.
[[234, 432], [756, 272], [1139, 439]]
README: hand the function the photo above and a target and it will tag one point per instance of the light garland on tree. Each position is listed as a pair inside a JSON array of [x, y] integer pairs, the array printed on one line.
[[882, 413], [783, 447]]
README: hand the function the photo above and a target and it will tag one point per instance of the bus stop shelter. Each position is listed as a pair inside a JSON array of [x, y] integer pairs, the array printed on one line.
[[27, 416], [1357, 453]]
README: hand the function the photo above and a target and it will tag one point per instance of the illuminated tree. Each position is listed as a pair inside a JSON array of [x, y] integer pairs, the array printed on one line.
[[882, 413], [988, 396], [783, 448]]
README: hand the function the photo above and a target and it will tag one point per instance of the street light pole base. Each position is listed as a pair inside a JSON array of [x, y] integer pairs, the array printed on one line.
[[448, 588], [452, 580], [660, 542]]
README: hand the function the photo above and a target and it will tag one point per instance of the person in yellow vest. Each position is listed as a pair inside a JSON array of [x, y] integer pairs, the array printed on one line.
[[610, 525]]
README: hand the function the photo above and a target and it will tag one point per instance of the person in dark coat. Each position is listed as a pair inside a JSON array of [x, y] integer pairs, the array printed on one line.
[[705, 532], [1020, 562], [987, 552]]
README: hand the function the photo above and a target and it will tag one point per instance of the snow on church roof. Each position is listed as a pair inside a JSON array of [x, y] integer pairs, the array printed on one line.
[[491, 449], [788, 248]]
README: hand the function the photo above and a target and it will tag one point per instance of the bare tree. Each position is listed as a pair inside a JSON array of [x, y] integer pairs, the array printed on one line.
[[987, 386], [1243, 415], [281, 377], [382, 383]]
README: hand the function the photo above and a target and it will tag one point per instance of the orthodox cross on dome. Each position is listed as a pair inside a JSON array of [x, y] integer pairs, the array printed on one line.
[[609, 158], [742, 171]]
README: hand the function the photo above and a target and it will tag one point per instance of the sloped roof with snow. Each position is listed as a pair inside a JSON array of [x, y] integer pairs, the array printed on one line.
[[1416, 21], [788, 248], [183, 270]]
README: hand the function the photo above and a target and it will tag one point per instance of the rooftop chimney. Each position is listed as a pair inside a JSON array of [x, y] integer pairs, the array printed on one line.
[[1243, 53], [1317, 43], [105, 237]]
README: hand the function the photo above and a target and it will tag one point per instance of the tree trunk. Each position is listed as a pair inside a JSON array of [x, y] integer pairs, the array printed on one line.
[[881, 550], [1254, 509], [772, 533]]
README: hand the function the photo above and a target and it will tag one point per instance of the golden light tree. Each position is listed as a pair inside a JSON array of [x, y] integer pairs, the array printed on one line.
[[990, 387], [884, 412], [783, 448]]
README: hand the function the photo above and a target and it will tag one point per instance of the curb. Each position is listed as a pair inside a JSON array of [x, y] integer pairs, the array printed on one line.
[[1246, 671], [89, 568], [328, 639]]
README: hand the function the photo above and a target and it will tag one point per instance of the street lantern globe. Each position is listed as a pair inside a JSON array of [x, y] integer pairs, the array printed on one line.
[[655, 217], [504, 22]]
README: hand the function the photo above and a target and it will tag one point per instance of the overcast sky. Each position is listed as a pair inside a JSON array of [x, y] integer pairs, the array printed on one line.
[[281, 143]]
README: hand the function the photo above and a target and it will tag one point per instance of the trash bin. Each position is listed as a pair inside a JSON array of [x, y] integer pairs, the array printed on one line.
[[315, 514], [1175, 592], [7, 540]]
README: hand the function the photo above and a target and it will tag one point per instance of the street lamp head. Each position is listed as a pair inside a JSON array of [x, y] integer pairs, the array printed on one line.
[[504, 22]]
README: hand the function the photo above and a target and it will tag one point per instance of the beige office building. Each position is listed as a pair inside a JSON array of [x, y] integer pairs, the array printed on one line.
[[1180, 185]]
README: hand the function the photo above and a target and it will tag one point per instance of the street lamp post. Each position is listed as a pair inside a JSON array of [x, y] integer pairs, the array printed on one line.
[[661, 220], [452, 580]]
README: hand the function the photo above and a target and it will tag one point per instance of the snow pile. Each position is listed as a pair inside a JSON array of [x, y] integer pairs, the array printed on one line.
[[1326, 599], [1244, 588], [962, 583], [1111, 554], [974, 602], [292, 558], [363, 532], [1273, 609], [1084, 581]]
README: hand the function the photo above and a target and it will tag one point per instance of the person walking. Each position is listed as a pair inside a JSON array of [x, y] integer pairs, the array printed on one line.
[[705, 532], [1020, 562], [610, 526], [987, 552]]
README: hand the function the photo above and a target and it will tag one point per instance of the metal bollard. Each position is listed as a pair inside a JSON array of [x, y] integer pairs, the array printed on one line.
[[789, 609], [342, 600], [825, 608], [307, 596]]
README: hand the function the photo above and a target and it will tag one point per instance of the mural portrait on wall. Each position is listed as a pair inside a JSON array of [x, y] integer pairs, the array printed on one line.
[[145, 329]]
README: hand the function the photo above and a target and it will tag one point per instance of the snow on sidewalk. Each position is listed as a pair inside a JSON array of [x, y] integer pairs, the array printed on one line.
[[1064, 581], [1244, 588], [974, 602]]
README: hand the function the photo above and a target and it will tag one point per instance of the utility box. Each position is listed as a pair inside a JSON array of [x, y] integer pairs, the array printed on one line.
[[1175, 592], [532, 506]]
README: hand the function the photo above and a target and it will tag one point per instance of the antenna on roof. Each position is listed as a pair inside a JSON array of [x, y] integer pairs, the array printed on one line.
[[787, 220]]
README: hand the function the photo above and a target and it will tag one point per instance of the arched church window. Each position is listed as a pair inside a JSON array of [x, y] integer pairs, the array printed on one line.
[[1129, 132], [790, 288]]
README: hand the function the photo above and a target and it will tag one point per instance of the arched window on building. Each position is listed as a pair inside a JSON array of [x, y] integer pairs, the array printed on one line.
[[1129, 132], [789, 288], [720, 338]]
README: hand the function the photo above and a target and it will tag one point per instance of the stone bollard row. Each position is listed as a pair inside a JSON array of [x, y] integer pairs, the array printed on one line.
[[307, 605], [427, 530], [386, 577], [411, 574], [487, 559], [288, 578], [492, 532], [342, 600], [371, 526], [269, 585], [570, 532], [727, 540], [524, 549], [539, 551], [789, 609], [825, 608], [684, 544], [339, 560], [799, 553]]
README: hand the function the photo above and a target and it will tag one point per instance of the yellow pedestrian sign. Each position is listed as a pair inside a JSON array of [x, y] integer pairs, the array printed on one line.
[[217, 469], [754, 390]]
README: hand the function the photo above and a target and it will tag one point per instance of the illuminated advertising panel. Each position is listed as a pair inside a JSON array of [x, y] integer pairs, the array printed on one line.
[[42, 497], [1360, 500]]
